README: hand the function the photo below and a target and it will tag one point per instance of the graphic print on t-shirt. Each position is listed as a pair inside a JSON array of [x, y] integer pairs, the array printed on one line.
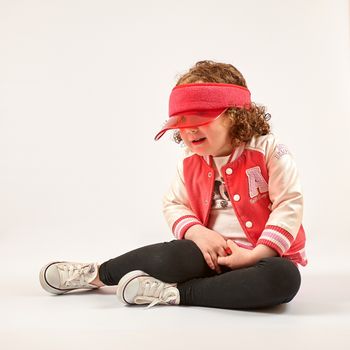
[[220, 195]]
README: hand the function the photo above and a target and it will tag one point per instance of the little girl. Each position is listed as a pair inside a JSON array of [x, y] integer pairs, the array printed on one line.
[[234, 207]]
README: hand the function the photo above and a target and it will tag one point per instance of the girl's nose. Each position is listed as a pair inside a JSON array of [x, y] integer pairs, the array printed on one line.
[[192, 130]]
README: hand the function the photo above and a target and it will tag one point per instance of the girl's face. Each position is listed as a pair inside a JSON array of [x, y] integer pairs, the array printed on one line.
[[210, 139]]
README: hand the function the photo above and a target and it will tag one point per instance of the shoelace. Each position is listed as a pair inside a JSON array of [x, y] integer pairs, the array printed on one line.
[[74, 275], [157, 292]]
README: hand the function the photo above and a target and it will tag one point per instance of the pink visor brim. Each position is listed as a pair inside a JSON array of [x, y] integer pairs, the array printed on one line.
[[190, 120]]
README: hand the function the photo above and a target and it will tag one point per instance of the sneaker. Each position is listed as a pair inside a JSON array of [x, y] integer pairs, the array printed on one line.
[[137, 287], [61, 276]]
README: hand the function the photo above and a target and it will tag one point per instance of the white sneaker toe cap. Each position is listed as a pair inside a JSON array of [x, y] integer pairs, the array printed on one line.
[[50, 279], [130, 292], [52, 276]]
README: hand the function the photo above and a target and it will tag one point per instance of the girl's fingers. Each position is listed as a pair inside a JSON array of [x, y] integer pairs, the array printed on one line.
[[222, 252], [209, 261], [221, 259], [231, 244], [228, 251], [214, 259]]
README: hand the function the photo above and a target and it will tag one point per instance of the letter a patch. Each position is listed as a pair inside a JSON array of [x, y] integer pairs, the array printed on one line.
[[256, 182]]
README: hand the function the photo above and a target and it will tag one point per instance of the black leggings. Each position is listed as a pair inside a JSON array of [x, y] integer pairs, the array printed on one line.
[[270, 282]]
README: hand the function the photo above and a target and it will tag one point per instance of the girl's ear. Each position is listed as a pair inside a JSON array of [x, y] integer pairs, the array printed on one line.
[[228, 119]]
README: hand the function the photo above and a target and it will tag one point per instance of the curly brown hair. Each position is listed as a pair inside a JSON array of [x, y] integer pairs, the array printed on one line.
[[244, 123]]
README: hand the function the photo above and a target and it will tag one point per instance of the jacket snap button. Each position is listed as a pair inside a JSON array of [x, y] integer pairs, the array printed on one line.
[[228, 171], [236, 197], [249, 224], [209, 174]]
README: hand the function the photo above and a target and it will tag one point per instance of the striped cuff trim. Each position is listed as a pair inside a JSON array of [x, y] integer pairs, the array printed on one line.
[[183, 224], [278, 237], [280, 230]]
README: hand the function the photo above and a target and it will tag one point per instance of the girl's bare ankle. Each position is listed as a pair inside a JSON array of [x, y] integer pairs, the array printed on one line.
[[96, 281]]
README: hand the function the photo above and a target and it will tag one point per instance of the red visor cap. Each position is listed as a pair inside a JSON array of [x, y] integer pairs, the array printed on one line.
[[190, 120], [197, 104]]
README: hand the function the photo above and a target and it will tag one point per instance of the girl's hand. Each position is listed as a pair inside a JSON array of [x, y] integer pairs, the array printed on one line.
[[239, 257], [211, 244]]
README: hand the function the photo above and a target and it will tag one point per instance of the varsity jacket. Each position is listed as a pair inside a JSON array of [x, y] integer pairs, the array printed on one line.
[[263, 185]]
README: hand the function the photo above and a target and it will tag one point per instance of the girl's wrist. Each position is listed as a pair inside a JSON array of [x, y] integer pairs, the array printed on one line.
[[262, 251], [192, 231]]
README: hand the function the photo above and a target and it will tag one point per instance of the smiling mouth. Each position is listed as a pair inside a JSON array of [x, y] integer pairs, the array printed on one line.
[[198, 141]]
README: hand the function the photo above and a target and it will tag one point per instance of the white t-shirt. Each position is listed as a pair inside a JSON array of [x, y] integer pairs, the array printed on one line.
[[222, 217]]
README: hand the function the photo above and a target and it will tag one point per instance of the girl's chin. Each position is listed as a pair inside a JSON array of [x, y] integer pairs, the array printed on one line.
[[201, 153], [208, 153]]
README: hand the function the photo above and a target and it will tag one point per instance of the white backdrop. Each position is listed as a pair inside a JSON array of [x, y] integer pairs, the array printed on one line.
[[84, 87]]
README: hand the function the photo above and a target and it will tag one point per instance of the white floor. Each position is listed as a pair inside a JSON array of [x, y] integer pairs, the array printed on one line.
[[318, 318]]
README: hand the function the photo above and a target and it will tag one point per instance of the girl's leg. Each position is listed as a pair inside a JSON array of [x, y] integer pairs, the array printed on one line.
[[175, 261], [270, 282]]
